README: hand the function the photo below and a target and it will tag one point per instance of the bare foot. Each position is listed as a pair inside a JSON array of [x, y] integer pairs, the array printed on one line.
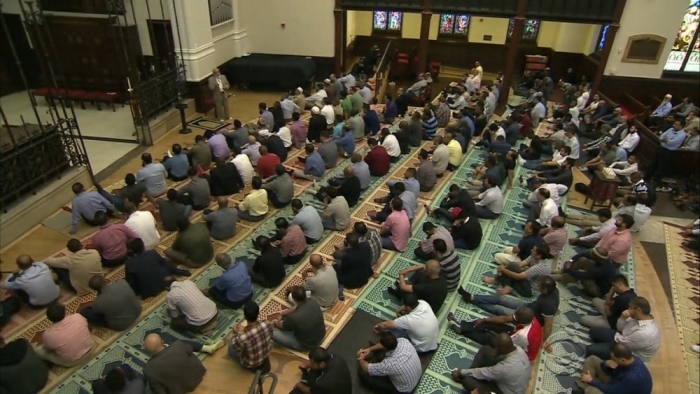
[[375, 275], [489, 280], [504, 290]]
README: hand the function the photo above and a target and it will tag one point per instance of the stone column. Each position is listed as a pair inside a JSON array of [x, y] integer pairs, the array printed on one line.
[[192, 34], [339, 48]]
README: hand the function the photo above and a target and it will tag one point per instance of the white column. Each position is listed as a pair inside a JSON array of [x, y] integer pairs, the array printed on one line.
[[196, 38], [230, 38]]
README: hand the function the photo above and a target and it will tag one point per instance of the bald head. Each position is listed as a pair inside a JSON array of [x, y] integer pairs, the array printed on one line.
[[222, 201], [504, 344], [153, 343], [223, 260], [251, 139], [316, 260], [97, 282], [356, 157], [433, 268], [558, 222], [24, 261], [349, 172]]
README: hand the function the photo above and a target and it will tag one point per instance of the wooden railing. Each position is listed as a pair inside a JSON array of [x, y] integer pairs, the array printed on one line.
[[383, 71]]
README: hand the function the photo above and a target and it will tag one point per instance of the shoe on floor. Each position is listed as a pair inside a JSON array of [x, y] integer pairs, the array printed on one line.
[[583, 168], [695, 348]]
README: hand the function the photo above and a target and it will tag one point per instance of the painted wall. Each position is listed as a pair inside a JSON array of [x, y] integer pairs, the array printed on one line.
[[661, 17], [309, 26], [568, 37], [412, 23], [480, 26], [141, 11]]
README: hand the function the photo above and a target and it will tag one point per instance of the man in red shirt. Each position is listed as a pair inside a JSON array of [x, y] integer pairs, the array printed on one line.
[[525, 124], [377, 158], [267, 163], [527, 333], [111, 241]]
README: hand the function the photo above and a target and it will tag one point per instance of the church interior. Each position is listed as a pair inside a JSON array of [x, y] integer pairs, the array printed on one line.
[[95, 92]]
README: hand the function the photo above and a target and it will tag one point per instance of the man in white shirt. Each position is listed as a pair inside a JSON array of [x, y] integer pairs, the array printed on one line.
[[555, 191], [631, 140], [327, 111], [391, 144], [285, 135], [546, 210], [489, 204], [316, 99], [538, 112], [243, 165], [460, 102], [348, 80], [143, 224], [595, 226], [572, 142], [417, 323], [624, 169]]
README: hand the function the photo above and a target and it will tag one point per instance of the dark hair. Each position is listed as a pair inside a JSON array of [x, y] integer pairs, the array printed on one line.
[[491, 180], [543, 250], [262, 242], [360, 228], [428, 226], [298, 294], [281, 223], [399, 188], [296, 204], [257, 182], [279, 169], [237, 123], [548, 284], [182, 223], [199, 138], [410, 300], [251, 310], [388, 340], [423, 154], [191, 171], [372, 141], [567, 149], [74, 245], [536, 227], [55, 312], [396, 204], [524, 315], [130, 179], [641, 303], [136, 245], [309, 148], [319, 355], [172, 194], [147, 158], [262, 106], [177, 149], [353, 239], [115, 381], [454, 188], [620, 350], [604, 213], [619, 278], [627, 219], [295, 116], [440, 245], [543, 192], [100, 218]]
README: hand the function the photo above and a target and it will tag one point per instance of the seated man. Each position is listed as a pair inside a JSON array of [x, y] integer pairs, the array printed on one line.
[[407, 197], [377, 158], [555, 162], [466, 233], [361, 170], [267, 163], [611, 308], [425, 173], [490, 168], [324, 373], [336, 214], [143, 224], [595, 226], [606, 157], [86, 204], [176, 164], [222, 222], [425, 251], [314, 167], [67, 342], [320, 282], [290, 240], [21, 370], [503, 369], [617, 241], [636, 328], [267, 270], [520, 252], [145, 270], [111, 240], [396, 229], [76, 268], [390, 366], [391, 144], [527, 333], [254, 206], [522, 276], [426, 283], [33, 283], [121, 379], [456, 205], [350, 188], [535, 183], [252, 150], [416, 322], [410, 183], [224, 179], [346, 142], [171, 210], [622, 373], [489, 204], [132, 191], [328, 150], [234, 287], [163, 370], [544, 210], [189, 308], [309, 220], [595, 273], [192, 246], [116, 306], [562, 175], [196, 192], [280, 188], [556, 236], [301, 327], [251, 344], [355, 267]]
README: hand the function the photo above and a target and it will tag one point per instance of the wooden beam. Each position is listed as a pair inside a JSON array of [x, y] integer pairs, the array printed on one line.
[[610, 39], [426, 14], [513, 50]]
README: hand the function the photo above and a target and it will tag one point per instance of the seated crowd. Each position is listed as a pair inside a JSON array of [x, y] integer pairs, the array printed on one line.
[[624, 334]]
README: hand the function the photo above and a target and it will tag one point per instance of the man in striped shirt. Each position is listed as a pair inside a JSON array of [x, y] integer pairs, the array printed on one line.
[[189, 308], [449, 262], [430, 125], [425, 250]]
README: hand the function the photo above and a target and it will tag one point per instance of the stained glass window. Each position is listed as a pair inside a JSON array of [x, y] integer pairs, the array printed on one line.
[[530, 30], [395, 18], [687, 32], [454, 24], [380, 20], [602, 37]]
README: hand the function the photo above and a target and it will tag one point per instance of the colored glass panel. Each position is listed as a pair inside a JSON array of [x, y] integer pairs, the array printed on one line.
[[681, 45], [395, 20], [447, 23], [380, 20], [462, 24], [603, 37]]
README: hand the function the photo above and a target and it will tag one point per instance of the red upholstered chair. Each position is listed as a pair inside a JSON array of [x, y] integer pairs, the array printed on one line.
[[434, 68], [400, 69], [402, 55], [209, 104], [77, 95]]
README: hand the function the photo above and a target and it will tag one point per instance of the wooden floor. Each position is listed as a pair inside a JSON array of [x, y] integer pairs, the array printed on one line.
[[224, 376]]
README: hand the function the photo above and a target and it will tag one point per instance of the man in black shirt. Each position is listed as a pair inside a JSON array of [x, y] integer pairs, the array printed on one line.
[[458, 204], [132, 191], [559, 176], [350, 188], [616, 301], [403, 137], [275, 145], [146, 270], [595, 272], [268, 269], [426, 283], [317, 124], [534, 151], [21, 369], [224, 179], [324, 373], [466, 233], [355, 269], [170, 211]]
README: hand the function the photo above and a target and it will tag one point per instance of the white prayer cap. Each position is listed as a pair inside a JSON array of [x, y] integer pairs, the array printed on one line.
[[326, 80], [668, 97], [315, 110], [300, 90]]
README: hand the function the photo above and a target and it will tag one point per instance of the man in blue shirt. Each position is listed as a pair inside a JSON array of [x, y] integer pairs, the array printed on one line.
[[234, 287], [361, 172], [346, 143], [86, 204], [410, 182], [153, 176], [177, 165], [371, 119], [314, 167], [661, 112], [32, 283], [622, 374], [309, 220], [670, 141]]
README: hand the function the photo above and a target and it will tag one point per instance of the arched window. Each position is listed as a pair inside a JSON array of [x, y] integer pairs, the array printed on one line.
[[530, 30], [387, 20], [602, 37], [685, 54], [454, 24]]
